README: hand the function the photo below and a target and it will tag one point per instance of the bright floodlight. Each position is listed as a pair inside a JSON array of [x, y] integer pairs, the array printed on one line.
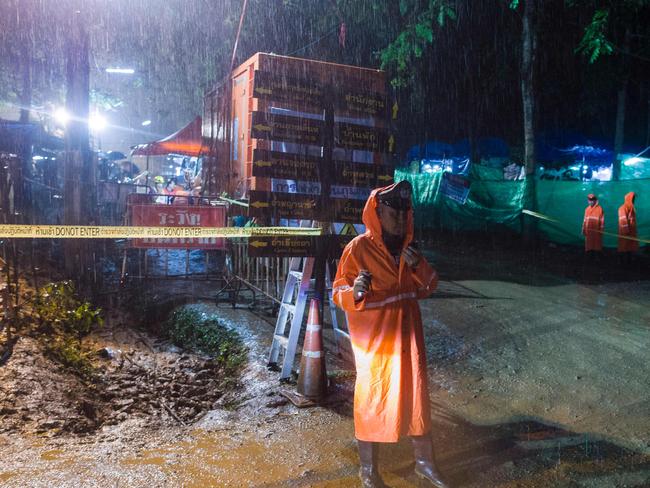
[[146, 123], [61, 116], [121, 71], [96, 122]]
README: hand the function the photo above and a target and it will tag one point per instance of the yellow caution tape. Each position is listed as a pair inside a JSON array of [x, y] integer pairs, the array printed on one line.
[[629, 238], [119, 232], [539, 215], [546, 217]]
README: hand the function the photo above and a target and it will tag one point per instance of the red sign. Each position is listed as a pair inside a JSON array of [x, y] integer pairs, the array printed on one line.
[[161, 215]]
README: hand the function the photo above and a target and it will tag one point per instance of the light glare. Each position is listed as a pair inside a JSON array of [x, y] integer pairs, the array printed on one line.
[[97, 122], [121, 71], [61, 116]]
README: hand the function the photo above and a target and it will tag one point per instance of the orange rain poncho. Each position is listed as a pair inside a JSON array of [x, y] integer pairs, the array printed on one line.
[[627, 225], [391, 396], [592, 227]]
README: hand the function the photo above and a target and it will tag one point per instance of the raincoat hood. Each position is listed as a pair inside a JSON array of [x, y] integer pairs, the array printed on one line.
[[371, 220], [629, 200]]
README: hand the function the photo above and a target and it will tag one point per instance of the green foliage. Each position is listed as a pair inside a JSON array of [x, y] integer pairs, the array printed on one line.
[[64, 321], [189, 328], [105, 101], [59, 309], [594, 42], [66, 349], [412, 42]]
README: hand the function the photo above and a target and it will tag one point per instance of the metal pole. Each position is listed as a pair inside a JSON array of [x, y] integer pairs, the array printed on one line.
[[325, 166]]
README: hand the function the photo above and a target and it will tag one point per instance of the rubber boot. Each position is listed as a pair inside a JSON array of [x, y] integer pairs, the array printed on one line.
[[425, 466], [369, 472]]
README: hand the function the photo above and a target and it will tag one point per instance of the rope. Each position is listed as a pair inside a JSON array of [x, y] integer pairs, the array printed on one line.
[[550, 219]]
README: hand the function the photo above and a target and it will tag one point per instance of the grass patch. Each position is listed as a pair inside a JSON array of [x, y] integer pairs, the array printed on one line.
[[192, 329]]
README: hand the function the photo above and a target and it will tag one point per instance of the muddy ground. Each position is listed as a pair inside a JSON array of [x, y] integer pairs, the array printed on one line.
[[538, 370]]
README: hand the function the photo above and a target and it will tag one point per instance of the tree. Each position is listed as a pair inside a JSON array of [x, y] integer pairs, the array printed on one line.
[[78, 175], [616, 29]]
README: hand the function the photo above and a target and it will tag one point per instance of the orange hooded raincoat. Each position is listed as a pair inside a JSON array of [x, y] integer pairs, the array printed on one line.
[[593, 226], [627, 225], [391, 396]]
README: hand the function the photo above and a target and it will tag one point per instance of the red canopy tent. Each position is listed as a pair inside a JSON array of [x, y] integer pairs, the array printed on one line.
[[187, 141]]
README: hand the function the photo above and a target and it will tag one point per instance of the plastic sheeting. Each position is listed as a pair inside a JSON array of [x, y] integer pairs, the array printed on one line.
[[494, 204]]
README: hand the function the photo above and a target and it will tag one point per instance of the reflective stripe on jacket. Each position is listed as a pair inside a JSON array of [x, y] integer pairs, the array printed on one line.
[[592, 227]]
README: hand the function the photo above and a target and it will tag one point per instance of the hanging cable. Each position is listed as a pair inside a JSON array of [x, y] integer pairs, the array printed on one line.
[[234, 49]]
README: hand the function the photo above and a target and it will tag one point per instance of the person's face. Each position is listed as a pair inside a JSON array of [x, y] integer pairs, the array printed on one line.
[[393, 221], [592, 202]]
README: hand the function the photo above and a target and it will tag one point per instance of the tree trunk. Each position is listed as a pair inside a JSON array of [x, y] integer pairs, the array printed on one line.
[[620, 130], [647, 130], [26, 93], [528, 55], [24, 10], [528, 59], [621, 98], [77, 151]]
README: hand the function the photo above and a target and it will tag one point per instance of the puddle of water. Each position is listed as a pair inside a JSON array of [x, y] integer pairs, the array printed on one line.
[[7, 474], [155, 460], [53, 455]]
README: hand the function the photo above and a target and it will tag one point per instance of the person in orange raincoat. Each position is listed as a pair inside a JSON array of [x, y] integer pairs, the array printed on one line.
[[380, 277], [593, 225], [627, 227]]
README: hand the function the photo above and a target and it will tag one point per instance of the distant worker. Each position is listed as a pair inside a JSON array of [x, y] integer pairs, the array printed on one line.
[[169, 190], [627, 228], [380, 277], [159, 188], [186, 179], [128, 171], [593, 226]]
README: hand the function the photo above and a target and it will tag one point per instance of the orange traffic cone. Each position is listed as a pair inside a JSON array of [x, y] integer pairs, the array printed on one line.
[[312, 379]]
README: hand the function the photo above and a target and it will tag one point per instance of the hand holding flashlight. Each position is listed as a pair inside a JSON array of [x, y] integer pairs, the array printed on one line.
[[361, 284]]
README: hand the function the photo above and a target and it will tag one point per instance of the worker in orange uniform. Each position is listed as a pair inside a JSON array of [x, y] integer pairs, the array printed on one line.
[[593, 226], [381, 276], [627, 228]]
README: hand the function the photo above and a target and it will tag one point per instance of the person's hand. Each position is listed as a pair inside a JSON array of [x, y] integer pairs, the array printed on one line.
[[412, 256], [361, 284]]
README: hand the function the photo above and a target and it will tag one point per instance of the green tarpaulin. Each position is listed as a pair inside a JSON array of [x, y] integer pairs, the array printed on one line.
[[491, 204]]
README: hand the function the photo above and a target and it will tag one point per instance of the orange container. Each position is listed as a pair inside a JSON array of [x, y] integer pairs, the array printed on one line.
[[299, 86]]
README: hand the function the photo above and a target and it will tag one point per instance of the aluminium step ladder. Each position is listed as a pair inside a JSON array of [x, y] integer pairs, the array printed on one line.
[[298, 287]]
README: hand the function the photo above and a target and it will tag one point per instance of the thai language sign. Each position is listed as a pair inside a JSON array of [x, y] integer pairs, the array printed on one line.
[[159, 215], [272, 164], [283, 205], [363, 137], [278, 127], [282, 88], [307, 92]]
